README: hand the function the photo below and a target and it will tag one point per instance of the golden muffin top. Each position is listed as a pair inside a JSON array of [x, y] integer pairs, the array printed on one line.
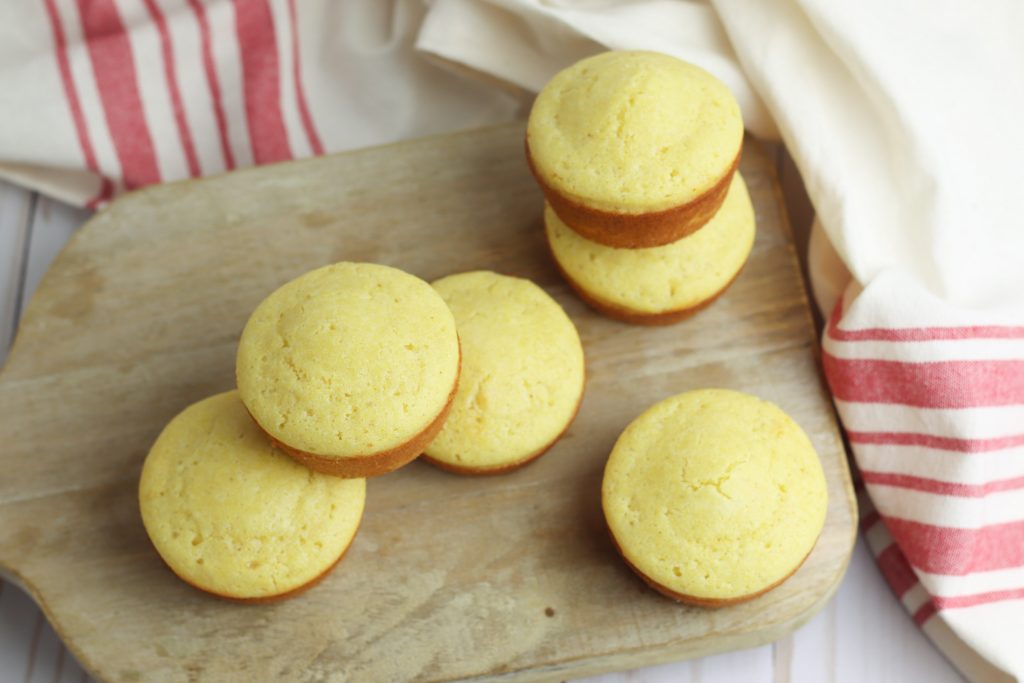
[[348, 360], [233, 515], [522, 371], [714, 494], [661, 279], [634, 132]]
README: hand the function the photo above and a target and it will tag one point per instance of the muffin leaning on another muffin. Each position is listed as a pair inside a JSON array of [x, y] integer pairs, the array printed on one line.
[[232, 515], [714, 496], [658, 285], [350, 368], [522, 374], [634, 149]]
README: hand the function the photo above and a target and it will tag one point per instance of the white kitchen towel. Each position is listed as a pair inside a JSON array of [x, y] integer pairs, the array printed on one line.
[[904, 123], [901, 117]]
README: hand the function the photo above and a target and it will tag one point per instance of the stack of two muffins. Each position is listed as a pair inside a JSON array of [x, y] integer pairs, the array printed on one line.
[[636, 153]]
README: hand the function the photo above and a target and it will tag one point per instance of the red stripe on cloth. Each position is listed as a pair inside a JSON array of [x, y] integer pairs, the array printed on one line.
[[937, 384], [945, 488], [75, 106], [924, 613], [171, 74], [300, 93], [959, 601], [956, 551], [928, 609], [901, 334], [212, 82], [103, 196], [869, 520], [896, 570], [945, 443], [261, 81], [114, 67]]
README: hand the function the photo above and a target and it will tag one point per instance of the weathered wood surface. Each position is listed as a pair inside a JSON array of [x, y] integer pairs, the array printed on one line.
[[510, 578]]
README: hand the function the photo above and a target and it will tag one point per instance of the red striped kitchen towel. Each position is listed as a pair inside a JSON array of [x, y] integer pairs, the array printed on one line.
[[933, 405], [904, 134], [133, 84], [102, 96]]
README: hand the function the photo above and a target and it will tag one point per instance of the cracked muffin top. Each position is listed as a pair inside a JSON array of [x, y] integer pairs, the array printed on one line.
[[232, 515], [714, 495], [348, 360], [634, 132]]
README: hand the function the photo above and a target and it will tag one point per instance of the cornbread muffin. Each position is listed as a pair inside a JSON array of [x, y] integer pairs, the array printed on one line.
[[634, 149], [234, 516], [658, 285], [350, 368], [714, 496], [522, 374]]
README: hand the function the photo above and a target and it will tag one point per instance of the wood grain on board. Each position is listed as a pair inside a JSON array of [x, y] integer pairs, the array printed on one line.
[[504, 578]]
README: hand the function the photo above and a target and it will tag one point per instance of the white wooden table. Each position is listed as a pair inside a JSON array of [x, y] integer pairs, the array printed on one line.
[[862, 634]]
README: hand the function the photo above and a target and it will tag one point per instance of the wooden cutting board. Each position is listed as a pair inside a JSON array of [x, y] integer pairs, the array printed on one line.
[[501, 578]]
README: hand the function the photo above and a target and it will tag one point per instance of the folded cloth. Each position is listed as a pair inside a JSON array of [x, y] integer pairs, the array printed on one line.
[[102, 96], [908, 145], [903, 123], [901, 120], [526, 42]]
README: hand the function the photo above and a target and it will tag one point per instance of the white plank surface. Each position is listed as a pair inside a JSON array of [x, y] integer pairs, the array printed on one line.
[[863, 634], [53, 224], [32, 232], [16, 211]]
